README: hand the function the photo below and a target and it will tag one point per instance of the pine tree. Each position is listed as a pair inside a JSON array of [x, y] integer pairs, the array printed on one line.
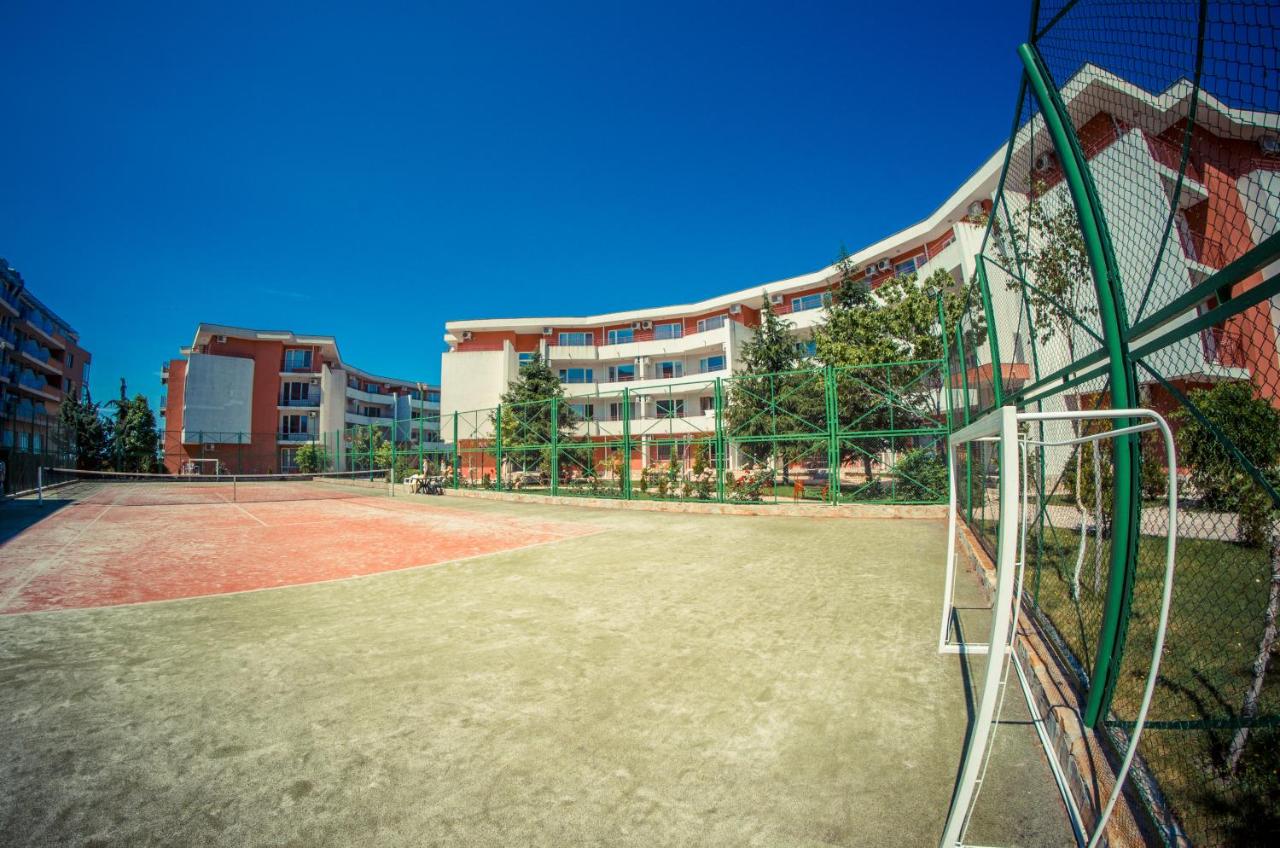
[[84, 431], [526, 415], [135, 443]]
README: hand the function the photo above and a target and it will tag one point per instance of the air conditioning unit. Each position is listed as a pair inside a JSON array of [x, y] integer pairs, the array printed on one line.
[[546, 331], [315, 381], [1270, 145], [210, 447], [221, 339], [884, 265], [735, 309], [775, 299], [635, 325], [871, 270], [646, 325], [1044, 162], [466, 335], [975, 208]]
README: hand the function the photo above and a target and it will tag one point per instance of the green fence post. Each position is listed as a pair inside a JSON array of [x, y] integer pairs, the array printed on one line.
[[831, 393], [1112, 319], [555, 446], [370, 447], [456, 451], [722, 450], [497, 464], [626, 443], [993, 335]]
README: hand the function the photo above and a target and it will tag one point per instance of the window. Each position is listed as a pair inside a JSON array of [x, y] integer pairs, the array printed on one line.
[[22, 440], [662, 453], [583, 411], [904, 268], [668, 331], [577, 375], [707, 405], [667, 370], [297, 360], [71, 360], [671, 408], [288, 461], [525, 358], [615, 411], [706, 324], [293, 424], [433, 395], [35, 442], [372, 388], [569, 339], [807, 302], [808, 348], [294, 391], [621, 336], [622, 373], [710, 363]]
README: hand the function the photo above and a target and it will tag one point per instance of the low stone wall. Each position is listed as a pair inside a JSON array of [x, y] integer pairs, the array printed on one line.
[[933, 511]]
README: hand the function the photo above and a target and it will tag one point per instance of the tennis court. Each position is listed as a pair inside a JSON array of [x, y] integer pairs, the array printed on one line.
[[556, 676]]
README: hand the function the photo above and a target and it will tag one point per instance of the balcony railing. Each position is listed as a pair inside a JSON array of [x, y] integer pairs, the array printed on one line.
[[1222, 347], [34, 350], [9, 335], [306, 401], [295, 437], [1170, 155]]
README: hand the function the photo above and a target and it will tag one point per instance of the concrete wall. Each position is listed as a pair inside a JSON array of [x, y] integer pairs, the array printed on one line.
[[217, 398], [473, 379]]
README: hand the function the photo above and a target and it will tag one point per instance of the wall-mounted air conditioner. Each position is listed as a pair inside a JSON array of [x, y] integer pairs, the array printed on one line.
[[735, 309], [546, 331], [210, 446], [315, 381], [1270, 145], [775, 299], [884, 265], [646, 325], [975, 208], [466, 335], [870, 270], [1043, 162], [221, 339], [635, 325]]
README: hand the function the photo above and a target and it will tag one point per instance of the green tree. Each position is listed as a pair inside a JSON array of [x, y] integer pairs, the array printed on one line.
[[311, 458], [771, 398], [86, 435], [526, 417], [134, 441]]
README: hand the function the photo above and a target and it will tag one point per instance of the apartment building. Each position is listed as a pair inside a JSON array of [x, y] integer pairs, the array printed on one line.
[[667, 357], [41, 362], [1227, 201], [250, 398]]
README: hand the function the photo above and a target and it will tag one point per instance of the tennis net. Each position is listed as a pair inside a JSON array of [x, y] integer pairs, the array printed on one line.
[[129, 489]]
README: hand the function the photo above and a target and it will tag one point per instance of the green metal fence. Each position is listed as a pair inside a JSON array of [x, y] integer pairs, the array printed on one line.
[[1128, 261], [874, 434]]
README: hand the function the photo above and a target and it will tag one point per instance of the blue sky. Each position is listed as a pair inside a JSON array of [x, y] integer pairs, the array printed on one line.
[[373, 172]]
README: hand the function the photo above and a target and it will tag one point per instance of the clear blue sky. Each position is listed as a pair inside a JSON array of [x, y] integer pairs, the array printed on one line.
[[373, 173]]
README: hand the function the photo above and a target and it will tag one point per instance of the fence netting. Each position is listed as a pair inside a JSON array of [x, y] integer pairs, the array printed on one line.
[[1130, 260]]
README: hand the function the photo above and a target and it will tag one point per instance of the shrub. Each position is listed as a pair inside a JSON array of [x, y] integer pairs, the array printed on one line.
[[750, 485], [311, 459], [1253, 425], [921, 475]]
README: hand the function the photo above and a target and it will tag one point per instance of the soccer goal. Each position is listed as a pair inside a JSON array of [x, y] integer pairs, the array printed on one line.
[[203, 467], [997, 454]]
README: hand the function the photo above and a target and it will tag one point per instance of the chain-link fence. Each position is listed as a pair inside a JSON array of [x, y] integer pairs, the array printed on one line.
[[874, 434], [29, 439], [1130, 261]]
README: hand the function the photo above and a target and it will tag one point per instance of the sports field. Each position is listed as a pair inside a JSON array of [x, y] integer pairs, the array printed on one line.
[[484, 673]]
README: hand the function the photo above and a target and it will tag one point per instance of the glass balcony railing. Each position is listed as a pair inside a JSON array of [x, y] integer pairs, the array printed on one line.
[[9, 335], [306, 401], [295, 437]]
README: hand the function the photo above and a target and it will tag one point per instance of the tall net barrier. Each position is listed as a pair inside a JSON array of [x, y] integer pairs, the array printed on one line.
[[1130, 260], [873, 434]]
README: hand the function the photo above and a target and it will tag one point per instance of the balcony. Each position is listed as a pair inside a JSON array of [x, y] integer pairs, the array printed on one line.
[[311, 402], [42, 327], [9, 335], [1169, 155], [38, 356], [9, 303], [295, 437], [37, 385], [1222, 346], [8, 373]]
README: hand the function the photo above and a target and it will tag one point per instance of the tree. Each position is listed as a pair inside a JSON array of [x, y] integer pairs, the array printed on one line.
[[770, 398], [526, 415], [84, 431], [895, 323], [311, 458], [135, 443]]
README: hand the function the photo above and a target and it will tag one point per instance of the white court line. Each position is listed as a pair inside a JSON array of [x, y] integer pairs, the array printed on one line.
[[35, 570]]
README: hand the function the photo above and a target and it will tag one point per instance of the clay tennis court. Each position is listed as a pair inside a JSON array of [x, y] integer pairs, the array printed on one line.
[[555, 676]]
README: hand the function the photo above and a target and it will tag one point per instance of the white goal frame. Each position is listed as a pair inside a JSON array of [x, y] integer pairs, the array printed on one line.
[[1003, 426], [195, 467]]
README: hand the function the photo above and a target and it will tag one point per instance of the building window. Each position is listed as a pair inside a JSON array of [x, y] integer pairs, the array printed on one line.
[[297, 360], [807, 348], [583, 411], [293, 424], [22, 440], [707, 405], [433, 395], [71, 360], [669, 369], [622, 373], [295, 391], [615, 411], [578, 339], [525, 358], [807, 302], [668, 331], [373, 388], [711, 363], [705, 324], [662, 453], [671, 408], [622, 336], [288, 460], [904, 268], [577, 375]]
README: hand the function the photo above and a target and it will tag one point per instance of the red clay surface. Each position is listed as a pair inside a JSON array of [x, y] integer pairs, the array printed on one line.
[[93, 554]]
